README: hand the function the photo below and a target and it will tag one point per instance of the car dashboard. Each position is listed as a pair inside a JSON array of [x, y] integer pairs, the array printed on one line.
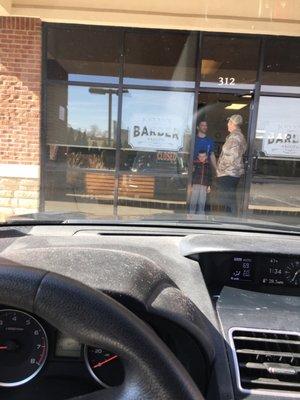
[[225, 302]]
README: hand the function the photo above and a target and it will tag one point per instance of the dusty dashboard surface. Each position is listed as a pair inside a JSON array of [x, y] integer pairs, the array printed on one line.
[[241, 284]]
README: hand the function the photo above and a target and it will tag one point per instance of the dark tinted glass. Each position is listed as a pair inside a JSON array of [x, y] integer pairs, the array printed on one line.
[[229, 61], [89, 55], [160, 58], [282, 65]]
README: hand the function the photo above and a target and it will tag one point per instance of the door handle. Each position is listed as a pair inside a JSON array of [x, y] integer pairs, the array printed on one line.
[[255, 163]]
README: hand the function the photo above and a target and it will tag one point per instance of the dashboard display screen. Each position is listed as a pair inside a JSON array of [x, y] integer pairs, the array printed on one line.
[[281, 272], [242, 269], [67, 346]]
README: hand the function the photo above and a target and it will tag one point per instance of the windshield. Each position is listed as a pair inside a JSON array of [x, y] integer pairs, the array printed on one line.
[[150, 125]]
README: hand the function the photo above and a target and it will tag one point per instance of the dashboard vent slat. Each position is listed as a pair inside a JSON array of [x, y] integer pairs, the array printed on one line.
[[268, 353], [267, 360], [270, 382], [253, 339], [265, 366]]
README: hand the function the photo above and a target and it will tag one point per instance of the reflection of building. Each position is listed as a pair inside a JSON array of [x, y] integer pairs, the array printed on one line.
[[187, 140], [124, 138]]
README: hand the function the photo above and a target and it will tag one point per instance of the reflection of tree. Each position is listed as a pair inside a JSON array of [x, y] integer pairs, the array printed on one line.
[[94, 131]]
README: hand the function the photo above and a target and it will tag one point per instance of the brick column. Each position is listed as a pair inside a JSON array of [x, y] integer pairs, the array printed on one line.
[[20, 109]]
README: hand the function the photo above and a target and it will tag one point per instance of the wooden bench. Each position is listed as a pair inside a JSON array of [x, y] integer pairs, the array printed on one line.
[[99, 183], [137, 186], [132, 186]]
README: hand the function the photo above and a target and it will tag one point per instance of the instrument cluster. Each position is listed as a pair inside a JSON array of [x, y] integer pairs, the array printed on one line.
[[24, 349], [266, 270]]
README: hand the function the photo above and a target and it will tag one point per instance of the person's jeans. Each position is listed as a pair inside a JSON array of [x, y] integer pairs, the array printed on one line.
[[198, 199], [227, 188]]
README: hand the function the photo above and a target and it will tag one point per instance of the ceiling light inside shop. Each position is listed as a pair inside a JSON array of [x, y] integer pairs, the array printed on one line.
[[235, 106], [209, 67]]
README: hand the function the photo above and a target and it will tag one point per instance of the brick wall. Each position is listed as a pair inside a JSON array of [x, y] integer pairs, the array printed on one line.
[[20, 113]]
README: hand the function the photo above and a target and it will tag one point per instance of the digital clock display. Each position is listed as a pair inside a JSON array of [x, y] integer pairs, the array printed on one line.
[[281, 272]]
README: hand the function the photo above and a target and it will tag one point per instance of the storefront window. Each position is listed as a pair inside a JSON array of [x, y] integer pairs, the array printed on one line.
[[139, 155], [229, 62], [156, 136], [160, 58], [85, 55], [81, 141], [275, 183], [281, 72]]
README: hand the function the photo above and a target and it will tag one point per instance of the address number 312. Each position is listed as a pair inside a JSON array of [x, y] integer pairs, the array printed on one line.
[[226, 80]]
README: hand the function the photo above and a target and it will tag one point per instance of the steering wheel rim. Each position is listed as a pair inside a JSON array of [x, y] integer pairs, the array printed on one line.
[[151, 370]]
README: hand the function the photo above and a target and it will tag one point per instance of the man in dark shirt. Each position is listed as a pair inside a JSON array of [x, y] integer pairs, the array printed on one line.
[[204, 144]]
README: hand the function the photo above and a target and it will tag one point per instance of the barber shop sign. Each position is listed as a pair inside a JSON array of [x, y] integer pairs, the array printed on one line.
[[156, 133], [282, 141]]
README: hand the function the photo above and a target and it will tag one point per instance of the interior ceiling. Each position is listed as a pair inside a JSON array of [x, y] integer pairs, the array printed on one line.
[[255, 16]]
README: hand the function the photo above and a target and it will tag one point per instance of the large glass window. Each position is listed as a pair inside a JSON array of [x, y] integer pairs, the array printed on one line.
[[276, 184], [160, 58], [81, 142], [156, 136], [84, 54], [229, 62], [281, 72], [138, 156]]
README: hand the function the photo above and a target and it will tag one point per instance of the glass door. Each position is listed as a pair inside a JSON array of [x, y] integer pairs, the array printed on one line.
[[215, 108]]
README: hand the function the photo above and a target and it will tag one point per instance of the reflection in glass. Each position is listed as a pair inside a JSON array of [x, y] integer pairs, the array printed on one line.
[[278, 127], [229, 61], [160, 58], [82, 116], [276, 184], [281, 70], [81, 140], [82, 54], [156, 136], [157, 120]]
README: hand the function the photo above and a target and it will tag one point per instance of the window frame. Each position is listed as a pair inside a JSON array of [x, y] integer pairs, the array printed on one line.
[[257, 92]]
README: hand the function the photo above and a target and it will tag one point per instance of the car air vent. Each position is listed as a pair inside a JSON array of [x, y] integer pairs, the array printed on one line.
[[267, 360]]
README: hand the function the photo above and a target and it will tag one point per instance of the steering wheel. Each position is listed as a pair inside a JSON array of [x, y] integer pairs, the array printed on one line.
[[152, 372]]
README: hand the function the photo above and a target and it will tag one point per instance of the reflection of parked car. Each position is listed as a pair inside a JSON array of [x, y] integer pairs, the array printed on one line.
[[161, 162], [170, 173]]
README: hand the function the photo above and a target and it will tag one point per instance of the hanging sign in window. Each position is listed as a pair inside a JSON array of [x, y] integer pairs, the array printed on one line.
[[282, 142], [166, 156], [278, 127], [156, 133]]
